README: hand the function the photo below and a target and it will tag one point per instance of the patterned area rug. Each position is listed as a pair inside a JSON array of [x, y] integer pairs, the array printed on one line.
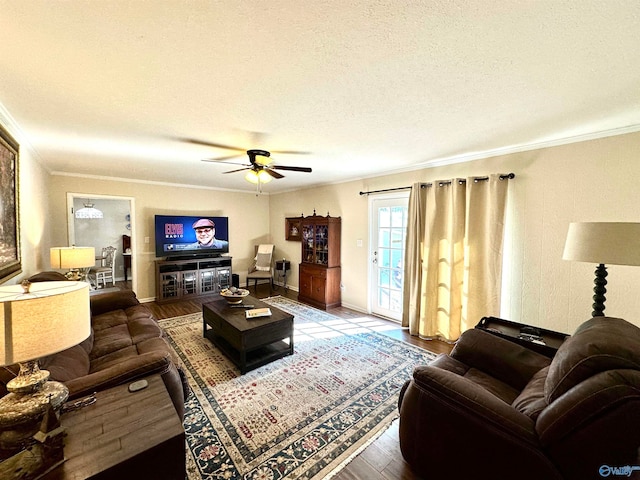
[[303, 416]]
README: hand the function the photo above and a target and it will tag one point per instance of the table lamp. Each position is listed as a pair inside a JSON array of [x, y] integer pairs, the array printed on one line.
[[36, 320], [613, 243], [73, 258]]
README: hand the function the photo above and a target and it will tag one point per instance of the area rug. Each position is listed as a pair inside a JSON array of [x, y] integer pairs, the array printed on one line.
[[304, 416]]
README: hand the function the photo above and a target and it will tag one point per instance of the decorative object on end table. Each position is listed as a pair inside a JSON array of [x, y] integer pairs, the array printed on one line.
[[76, 259], [37, 320], [616, 243], [10, 261]]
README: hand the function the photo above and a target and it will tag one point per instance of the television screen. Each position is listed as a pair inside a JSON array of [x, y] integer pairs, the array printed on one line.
[[189, 235]]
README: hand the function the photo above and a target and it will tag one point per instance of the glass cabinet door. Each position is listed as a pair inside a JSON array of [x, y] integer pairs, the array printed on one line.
[[315, 244], [208, 282], [322, 244], [170, 284], [189, 283], [308, 243], [224, 278]]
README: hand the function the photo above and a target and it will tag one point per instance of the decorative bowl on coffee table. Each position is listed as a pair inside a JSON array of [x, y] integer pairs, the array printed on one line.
[[234, 296]]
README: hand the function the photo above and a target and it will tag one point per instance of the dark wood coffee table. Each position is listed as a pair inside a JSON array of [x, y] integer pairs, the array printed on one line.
[[249, 344]]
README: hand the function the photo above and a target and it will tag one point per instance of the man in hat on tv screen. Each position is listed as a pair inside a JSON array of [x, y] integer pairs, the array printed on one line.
[[206, 235]]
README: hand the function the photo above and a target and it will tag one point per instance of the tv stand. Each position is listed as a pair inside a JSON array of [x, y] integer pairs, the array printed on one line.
[[179, 279]]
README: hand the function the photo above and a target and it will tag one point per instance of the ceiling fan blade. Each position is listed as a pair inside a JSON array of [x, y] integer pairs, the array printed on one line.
[[292, 169], [221, 159], [239, 170], [195, 141], [273, 174], [292, 152]]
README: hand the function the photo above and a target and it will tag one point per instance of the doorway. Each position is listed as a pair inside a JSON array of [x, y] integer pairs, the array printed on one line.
[[388, 227], [116, 224]]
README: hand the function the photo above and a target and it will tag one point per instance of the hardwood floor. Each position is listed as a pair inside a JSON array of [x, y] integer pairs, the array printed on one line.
[[380, 460]]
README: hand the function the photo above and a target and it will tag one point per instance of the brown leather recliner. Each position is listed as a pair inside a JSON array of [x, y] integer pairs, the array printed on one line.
[[495, 409]]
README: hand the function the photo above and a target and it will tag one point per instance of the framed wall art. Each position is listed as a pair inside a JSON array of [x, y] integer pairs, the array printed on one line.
[[10, 262], [292, 229]]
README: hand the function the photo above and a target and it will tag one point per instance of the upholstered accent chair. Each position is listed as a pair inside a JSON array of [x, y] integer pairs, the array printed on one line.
[[262, 267], [496, 409]]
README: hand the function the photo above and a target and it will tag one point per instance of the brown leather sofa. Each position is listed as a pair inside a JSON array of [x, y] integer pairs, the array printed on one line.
[[496, 409], [126, 344]]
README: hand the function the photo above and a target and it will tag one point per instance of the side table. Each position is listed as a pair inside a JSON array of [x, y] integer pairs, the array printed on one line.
[[124, 435], [126, 257], [282, 267], [540, 340]]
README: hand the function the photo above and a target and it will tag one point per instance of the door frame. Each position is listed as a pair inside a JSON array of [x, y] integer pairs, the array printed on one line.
[[71, 234], [372, 235]]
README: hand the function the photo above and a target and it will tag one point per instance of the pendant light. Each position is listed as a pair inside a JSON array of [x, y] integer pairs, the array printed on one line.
[[88, 211]]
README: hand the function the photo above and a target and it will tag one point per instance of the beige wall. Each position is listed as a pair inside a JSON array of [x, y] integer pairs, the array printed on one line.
[[588, 181], [594, 180], [34, 217], [248, 218]]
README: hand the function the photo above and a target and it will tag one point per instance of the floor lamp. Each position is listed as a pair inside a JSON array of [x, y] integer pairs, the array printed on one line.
[[613, 243]]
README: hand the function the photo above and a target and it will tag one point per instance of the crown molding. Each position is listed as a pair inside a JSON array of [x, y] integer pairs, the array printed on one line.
[[150, 182]]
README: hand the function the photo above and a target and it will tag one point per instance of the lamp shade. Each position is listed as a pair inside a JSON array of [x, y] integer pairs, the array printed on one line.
[[614, 243], [51, 317], [89, 211], [258, 176], [72, 257]]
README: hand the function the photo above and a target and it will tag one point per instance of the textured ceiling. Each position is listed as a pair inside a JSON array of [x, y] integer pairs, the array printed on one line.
[[109, 88]]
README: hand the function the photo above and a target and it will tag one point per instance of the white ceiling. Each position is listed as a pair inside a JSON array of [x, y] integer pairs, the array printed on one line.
[[109, 88]]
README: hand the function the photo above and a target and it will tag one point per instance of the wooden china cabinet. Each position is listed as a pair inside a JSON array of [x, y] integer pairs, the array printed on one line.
[[319, 283]]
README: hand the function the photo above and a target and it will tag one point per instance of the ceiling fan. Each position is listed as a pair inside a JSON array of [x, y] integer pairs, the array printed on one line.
[[260, 167]]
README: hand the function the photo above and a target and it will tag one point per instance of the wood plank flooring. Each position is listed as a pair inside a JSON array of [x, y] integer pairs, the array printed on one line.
[[380, 460]]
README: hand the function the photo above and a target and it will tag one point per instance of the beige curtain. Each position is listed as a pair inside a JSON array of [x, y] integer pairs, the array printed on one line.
[[453, 256]]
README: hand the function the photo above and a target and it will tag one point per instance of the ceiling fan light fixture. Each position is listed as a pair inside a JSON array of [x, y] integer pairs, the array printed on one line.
[[262, 160], [257, 177], [264, 176]]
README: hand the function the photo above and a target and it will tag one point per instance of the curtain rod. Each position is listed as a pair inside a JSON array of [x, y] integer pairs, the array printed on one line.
[[506, 176]]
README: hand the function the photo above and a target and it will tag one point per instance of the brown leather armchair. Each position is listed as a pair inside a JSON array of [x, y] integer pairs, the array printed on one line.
[[496, 409]]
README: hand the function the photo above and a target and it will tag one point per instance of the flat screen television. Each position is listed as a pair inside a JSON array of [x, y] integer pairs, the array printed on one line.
[[191, 236]]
